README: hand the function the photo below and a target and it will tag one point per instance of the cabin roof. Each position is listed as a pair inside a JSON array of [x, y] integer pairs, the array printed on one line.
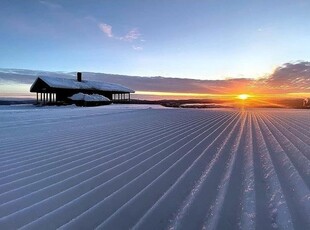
[[64, 83]]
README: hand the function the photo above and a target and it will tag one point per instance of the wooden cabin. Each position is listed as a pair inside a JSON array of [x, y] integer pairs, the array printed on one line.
[[52, 90]]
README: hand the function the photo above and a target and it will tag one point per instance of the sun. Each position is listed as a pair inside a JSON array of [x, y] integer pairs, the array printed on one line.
[[243, 96]]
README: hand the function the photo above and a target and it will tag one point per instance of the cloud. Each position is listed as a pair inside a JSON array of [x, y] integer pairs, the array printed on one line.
[[291, 71], [136, 82], [130, 36], [107, 29], [289, 77], [51, 5], [137, 48]]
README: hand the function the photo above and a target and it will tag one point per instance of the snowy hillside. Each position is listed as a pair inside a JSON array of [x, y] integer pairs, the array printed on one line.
[[136, 167]]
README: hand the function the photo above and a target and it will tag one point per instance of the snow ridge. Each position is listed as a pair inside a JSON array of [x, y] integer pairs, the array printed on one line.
[[154, 168]]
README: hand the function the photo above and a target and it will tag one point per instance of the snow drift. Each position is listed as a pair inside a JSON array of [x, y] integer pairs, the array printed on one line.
[[83, 99], [88, 97]]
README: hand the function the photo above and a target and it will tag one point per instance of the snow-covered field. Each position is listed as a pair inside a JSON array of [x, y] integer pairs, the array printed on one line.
[[121, 167]]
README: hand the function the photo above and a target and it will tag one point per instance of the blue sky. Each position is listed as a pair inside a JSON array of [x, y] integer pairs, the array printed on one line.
[[201, 39]]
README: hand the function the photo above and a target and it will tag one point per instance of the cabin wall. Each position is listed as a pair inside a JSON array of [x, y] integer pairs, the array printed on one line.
[[47, 95]]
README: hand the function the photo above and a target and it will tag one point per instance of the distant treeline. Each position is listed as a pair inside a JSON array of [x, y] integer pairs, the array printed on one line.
[[17, 102], [175, 103], [208, 103], [194, 103]]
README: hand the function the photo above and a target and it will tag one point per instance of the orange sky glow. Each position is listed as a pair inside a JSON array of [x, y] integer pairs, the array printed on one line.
[[233, 95]]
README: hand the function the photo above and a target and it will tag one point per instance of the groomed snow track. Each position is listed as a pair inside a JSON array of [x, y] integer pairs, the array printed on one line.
[[105, 168]]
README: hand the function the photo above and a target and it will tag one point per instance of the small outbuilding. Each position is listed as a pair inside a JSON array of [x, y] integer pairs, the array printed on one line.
[[52, 90]]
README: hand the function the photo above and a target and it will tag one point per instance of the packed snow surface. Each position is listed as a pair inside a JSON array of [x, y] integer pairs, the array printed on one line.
[[136, 167], [88, 97]]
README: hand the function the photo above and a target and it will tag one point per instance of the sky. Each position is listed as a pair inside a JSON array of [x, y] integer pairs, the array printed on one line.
[[195, 39]]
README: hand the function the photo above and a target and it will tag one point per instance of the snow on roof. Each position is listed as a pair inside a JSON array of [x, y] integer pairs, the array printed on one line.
[[88, 97], [55, 82]]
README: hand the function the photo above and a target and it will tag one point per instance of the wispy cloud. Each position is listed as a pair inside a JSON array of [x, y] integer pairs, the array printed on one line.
[[51, 5], [132, 35], [107, 29], [138, 48]]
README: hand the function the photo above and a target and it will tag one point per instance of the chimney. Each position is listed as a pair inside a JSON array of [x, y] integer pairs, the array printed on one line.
[[79, 76]]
